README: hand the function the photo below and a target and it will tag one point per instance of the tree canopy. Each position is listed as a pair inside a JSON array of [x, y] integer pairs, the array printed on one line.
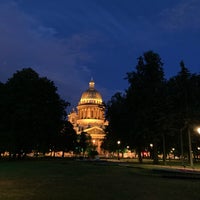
[[153, 109], [33, 112]]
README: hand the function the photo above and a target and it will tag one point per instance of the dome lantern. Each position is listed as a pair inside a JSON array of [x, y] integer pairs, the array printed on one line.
[[91, 84]]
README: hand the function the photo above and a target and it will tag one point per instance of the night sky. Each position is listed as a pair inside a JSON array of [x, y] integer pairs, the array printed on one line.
[[70, 41]]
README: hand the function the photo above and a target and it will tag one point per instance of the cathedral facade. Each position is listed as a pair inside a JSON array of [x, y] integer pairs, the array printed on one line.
[[89, 115]]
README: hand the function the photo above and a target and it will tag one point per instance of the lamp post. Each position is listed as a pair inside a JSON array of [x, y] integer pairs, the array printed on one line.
[[181, 138], [190, 144], [173, 151], [190, 147], [118, 143], [151, 151]]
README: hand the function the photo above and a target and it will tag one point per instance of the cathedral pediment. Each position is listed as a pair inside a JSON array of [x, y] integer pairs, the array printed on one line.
[[95, 130]]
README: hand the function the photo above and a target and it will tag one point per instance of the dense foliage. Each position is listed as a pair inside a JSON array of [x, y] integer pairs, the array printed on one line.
[[153, 110], [32, 113]]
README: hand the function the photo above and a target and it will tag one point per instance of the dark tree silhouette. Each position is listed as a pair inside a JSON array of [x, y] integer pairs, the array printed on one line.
[[84, 141], [67, 140], [117, 115], [145, 97], [35, 112], [184, 98]]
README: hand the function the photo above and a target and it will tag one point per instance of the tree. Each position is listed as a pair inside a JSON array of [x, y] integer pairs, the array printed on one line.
[[116, 114], [185, 108], [144, 98], [35, 112], [3, 135], [67, 140], [84, 141]]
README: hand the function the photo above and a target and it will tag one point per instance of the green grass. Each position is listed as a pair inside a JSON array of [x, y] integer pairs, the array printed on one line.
[[78, 180]]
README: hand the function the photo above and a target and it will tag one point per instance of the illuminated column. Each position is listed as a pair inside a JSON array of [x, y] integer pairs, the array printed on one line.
[[95, 114], [100, 114], [81, 114], [85, 112], [89, 113]]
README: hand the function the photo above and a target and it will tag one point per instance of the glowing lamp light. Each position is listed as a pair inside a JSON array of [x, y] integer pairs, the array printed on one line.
[[198, 130]]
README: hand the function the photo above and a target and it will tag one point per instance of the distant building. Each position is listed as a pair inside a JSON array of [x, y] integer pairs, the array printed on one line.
[[89, 116]]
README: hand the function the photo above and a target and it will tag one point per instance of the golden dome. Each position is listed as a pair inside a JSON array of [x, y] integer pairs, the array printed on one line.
[[91, 95]]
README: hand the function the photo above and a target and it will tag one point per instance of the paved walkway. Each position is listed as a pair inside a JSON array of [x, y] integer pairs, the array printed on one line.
[[159, 167]]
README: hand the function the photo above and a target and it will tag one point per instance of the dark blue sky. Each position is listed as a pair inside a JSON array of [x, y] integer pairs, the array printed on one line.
[[70, 41]]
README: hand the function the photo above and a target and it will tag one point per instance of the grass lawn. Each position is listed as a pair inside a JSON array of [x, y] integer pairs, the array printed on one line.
[[78, 180]]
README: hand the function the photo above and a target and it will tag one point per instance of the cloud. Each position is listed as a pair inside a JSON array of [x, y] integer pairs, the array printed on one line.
[[70, 42], [26, 42], [184, 15]]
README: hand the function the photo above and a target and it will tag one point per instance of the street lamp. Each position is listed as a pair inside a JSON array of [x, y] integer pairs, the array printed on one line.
[[118, 143], [151, 151], [190, 145], [173, 151]]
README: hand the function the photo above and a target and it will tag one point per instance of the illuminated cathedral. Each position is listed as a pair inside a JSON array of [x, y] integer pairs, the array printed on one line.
[[89, 115]]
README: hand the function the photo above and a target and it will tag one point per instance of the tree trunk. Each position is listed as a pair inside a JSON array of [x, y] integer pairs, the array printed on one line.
[[139, 155], [63, 154], [155, 153], [164, 150]]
